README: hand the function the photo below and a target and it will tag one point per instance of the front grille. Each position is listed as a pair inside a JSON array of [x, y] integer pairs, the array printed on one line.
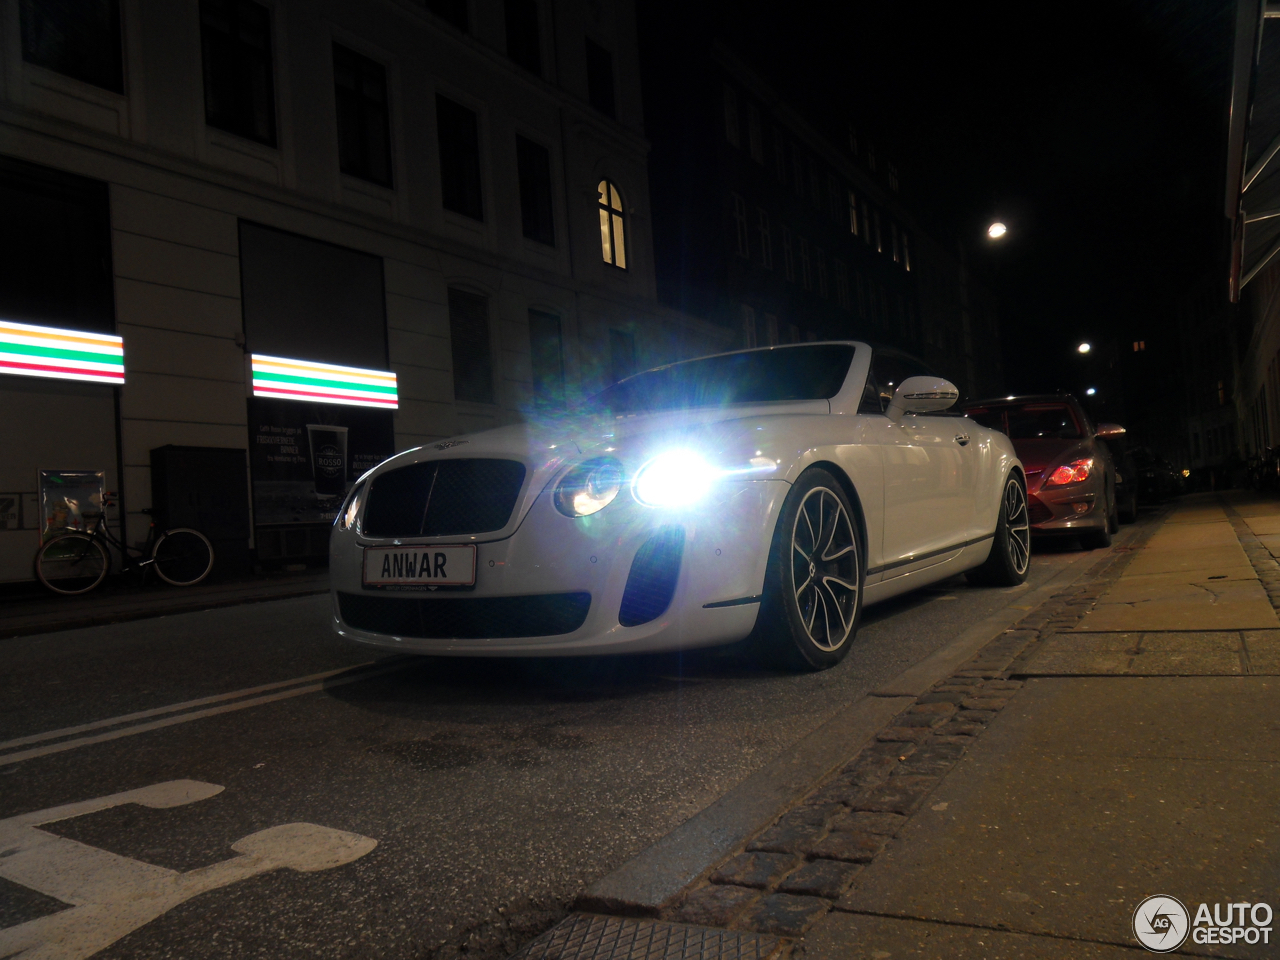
[[466, 618], [443, 498], [652, 581], [1037, 512]]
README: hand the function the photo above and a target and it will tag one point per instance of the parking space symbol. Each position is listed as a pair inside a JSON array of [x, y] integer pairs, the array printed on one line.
[[109, 896]]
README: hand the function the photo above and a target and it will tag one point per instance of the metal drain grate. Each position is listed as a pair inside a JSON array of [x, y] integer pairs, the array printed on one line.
[[586, 937]]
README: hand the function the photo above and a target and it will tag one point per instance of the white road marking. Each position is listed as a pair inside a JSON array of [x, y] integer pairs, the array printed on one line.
[[327, 681], [110, 896]]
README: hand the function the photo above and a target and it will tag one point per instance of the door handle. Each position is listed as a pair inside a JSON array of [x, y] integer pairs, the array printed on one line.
[[962, 439]]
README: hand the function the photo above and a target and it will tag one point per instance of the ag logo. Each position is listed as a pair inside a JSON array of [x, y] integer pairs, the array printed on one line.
[[446, 444], [1160, 923]]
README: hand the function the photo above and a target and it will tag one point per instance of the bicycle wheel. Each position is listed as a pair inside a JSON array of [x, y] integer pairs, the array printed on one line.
[[183, 557], [72, 563]]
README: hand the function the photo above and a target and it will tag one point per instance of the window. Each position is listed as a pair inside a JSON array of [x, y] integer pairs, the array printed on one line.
[[842, 283], [893, 178], [622, 354], [806, 268], [788, 256], [239, 89], [888, 370], [600, 78], [862, 293], [766, 239], [815, 183], [797, 164], [459, 132], [906, 252], [754, 135], [866, 223], [771, 329], [731, 115], [613, 239], [78, 40], [893, 233], [749, 338], [546, 351], [450, 11], [834, 196], [524, 40], [853, 140], [740, 222], [780, 155], [879, 240], [853, 213], [820, 262], [364, 124], [533, 170], [469, 343], [1139, 346], [793, 333]]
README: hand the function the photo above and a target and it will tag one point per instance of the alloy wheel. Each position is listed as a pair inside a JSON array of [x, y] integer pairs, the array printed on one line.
[[1018, 525], [824, 569]]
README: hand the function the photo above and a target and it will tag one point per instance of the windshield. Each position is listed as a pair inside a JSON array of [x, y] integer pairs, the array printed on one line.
[[1029, 421], [761, 376]]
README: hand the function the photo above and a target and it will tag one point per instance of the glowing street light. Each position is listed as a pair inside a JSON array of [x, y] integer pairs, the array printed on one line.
[[1084, 347], [1091, 391], [997, 230]]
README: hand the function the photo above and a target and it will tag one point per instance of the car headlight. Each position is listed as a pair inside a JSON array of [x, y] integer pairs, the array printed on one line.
[[1073, 472], [589, 487], [350, 511], [676, 478]]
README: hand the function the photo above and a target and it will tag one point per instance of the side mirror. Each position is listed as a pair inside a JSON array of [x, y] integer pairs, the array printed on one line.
[[922, 395], [1108, 431]]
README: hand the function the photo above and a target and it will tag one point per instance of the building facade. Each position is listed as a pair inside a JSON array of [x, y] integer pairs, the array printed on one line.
[[765, 224], [321, 232]]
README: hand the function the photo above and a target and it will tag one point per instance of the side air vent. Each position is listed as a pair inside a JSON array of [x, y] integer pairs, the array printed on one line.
[[652, 581]]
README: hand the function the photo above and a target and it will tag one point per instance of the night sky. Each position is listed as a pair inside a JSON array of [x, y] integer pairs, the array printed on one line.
[[1094, 131]]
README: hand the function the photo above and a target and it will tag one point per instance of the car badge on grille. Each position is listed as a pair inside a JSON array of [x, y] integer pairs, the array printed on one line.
[[446, 444]]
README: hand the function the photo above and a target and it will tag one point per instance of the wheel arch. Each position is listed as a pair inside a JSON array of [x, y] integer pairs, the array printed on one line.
[[851, 491]]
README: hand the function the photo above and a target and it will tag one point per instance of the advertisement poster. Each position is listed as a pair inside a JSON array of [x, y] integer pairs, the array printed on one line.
[[304, 456], [69, 501]]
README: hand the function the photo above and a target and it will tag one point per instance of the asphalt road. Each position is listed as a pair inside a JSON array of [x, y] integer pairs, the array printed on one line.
[[495, 790]]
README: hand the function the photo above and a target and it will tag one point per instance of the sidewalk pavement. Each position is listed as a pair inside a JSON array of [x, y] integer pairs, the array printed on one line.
[[37, 611], [1117, 744]]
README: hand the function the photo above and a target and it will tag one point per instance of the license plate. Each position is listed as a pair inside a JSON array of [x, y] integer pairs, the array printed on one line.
[[420, 566]]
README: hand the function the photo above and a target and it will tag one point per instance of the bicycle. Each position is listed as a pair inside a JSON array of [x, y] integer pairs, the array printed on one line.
[[73, 563]]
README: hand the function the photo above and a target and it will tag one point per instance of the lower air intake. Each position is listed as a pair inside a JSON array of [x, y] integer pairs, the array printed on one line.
[[466, 618], [652, 581]]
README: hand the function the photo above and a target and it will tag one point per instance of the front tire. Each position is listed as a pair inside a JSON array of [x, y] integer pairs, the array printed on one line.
[[813, 584], [72, 563], [183, 557], [1010, 557]]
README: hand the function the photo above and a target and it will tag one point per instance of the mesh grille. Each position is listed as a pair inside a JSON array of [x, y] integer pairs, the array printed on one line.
[[466, 618], [1037, 512], [652, 581], [586, 937], [443, 498]]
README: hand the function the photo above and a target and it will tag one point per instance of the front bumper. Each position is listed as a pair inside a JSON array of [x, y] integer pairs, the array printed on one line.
[[540, 573]]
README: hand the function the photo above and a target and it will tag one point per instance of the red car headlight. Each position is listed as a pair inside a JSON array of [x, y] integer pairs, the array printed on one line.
[[1073, 472]]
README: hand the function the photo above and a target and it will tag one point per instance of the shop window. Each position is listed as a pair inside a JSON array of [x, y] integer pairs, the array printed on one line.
[[613, 237], [459, 132], [239, 86], [600, 78], [470, 346], [524, 37], [364, 120], [80, 39], [533, 170], [546, 350]]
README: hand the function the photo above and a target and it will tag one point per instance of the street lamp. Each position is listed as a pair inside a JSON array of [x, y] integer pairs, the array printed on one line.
[[997, 230], [1084, 347], [1090, 392]]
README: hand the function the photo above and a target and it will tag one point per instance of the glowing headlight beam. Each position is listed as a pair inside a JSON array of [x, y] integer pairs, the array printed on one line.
[[677, 478]]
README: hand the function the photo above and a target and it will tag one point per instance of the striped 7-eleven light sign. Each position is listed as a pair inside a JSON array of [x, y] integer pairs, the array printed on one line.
[[27, 350], [288, 379]]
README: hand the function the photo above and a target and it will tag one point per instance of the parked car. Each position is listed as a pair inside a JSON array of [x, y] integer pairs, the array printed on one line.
[[1157, 478], [1126, 480], [773, 491], [1070, 474]]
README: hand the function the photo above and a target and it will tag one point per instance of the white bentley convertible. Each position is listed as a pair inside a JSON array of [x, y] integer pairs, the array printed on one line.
[[771, 491]]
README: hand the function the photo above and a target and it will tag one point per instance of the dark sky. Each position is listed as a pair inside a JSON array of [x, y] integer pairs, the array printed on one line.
[[1094, 130]]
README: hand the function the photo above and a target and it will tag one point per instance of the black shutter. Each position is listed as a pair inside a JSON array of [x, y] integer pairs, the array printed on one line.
[[600, 78], [524, 42], [459, 133]]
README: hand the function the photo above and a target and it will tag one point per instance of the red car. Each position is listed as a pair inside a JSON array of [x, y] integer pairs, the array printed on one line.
[[1071, 478]]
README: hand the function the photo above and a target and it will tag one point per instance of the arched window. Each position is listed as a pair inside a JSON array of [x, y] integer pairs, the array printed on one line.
[[613, 241]]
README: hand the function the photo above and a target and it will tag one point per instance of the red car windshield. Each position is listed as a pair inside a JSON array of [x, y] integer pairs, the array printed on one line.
[[1030, 421]]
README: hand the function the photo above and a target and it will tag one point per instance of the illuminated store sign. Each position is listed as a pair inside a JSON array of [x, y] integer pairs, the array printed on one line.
[[322, 382], [31, 351]]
